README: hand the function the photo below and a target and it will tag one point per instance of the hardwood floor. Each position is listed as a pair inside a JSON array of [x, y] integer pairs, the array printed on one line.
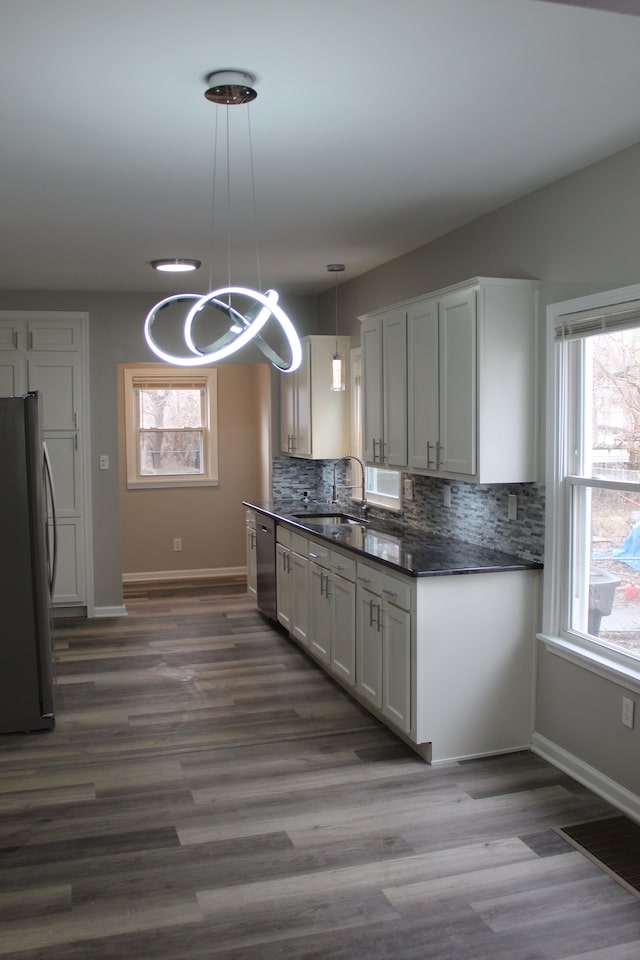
[[208, 792]]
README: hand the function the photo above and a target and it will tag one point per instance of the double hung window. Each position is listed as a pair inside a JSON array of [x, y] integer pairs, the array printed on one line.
[[592, 570], [170, 427]]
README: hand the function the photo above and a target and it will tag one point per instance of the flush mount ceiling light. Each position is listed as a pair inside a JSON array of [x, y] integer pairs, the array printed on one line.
[[337, 359], [244, 311], [176, 265]]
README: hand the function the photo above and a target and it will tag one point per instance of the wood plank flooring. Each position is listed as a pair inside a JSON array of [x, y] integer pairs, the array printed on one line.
[[209, 792]]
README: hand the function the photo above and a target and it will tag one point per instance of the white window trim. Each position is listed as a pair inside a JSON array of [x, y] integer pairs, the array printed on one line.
[[209, 478], [580, 649]]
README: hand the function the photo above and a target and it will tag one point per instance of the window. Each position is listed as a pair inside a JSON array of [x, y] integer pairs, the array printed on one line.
[[592, 573], [170, 418], [382, 486]]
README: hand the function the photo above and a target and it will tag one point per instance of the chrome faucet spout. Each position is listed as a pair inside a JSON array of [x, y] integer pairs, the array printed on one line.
[[351, 456]]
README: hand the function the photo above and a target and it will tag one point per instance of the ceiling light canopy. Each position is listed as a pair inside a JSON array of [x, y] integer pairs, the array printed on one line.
[[175, 265], [243, 311]]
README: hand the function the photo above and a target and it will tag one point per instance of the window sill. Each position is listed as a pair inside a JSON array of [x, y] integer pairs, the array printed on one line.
[[605, 663], [169, 483]]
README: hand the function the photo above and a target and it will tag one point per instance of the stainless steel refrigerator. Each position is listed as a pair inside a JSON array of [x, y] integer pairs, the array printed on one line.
[[27, 569]]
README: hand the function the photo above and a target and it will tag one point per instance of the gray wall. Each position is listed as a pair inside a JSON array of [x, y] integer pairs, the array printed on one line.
[[578, 236]]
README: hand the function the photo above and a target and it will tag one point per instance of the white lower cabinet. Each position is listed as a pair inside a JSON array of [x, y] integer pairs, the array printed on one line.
[[292, 583], [446, 661], [383, 625]]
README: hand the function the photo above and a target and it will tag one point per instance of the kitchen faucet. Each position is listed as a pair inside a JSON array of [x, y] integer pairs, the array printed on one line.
[[334, 496]]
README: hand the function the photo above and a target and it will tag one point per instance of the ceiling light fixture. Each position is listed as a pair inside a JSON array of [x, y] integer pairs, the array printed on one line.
[[228, 88], [337, 358], [175, 265]]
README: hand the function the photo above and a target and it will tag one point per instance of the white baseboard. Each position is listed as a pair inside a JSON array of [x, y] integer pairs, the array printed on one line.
[[120, 611], [603, 786], [157, 576]]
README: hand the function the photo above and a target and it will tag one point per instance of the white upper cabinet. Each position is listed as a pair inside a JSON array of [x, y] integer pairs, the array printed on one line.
[[471, 381], [314, 420], [384, 373]]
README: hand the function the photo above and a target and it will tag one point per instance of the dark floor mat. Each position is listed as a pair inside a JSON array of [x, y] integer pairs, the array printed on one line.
[[612, 843]]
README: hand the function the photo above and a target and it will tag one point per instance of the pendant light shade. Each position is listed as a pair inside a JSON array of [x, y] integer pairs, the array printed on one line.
[[338, 362], [242, 310]]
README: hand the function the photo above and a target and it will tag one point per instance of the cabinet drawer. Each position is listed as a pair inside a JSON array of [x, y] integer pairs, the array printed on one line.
[[283, 535], [344, 566], [318, 552], [396, 590]]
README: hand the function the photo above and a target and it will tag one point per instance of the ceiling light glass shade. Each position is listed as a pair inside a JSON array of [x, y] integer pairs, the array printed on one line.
[[244, 328], [337, 372], [175, 265]]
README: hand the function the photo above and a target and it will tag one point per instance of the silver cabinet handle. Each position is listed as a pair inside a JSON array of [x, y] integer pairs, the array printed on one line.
[[379, 618], [439, 455], [430, 462], [370, 613], [392, 594]]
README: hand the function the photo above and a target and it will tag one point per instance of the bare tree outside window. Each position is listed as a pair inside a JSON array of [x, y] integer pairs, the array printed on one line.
[[171, 423]]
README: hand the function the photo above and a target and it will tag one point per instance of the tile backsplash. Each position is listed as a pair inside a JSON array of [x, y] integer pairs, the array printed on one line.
[[477, 513]]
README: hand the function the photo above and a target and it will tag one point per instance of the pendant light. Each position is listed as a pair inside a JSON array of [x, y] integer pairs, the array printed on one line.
[[337, 358], [245, 311]]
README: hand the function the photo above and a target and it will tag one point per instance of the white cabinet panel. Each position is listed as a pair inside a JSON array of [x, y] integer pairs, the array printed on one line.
[[64, 335], [58, 379], [384, 374], [314, 420], [70, 578], [67, 478], [13, 375]]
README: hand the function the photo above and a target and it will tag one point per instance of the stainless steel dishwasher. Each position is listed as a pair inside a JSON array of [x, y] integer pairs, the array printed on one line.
[[266, 565]]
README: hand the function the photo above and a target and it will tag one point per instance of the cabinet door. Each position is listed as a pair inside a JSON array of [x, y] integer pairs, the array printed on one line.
[[58, 378], [287, 411], [48, 335], [302, 442], [283, 585], [423, 386], [13, 337], [70, 586], [369, 646], [394, 385], [343, 629], [396, 666], [319, 613], [458, 382], [300, 598], [13, 375], [371, 340]]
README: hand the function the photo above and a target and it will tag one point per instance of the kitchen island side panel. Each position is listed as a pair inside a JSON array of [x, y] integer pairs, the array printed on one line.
[[475, 645]]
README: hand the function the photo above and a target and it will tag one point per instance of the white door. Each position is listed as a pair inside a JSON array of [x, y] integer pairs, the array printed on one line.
[[369, 646]]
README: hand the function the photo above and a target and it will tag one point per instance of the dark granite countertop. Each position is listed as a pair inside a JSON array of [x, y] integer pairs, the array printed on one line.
[[406, 551]]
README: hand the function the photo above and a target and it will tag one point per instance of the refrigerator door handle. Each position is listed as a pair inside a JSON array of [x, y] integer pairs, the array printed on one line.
[[52, 560]]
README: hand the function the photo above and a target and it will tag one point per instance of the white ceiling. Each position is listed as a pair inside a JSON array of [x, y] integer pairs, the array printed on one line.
[[378, 126]]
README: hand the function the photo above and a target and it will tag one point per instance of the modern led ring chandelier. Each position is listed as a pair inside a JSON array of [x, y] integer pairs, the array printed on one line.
[[228, 88]]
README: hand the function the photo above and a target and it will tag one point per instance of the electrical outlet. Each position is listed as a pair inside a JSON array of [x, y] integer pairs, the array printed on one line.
[[104, 461], [446, 495], [177, 544], [512, 507], [628, 706], [407, 486]]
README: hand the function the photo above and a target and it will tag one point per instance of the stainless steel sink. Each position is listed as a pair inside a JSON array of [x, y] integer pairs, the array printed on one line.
[[328, 519]]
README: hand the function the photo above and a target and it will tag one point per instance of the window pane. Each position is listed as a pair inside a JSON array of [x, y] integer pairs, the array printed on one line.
[[160, 409], [171, 453], [606, 566], [612, 382], [383, 482]]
